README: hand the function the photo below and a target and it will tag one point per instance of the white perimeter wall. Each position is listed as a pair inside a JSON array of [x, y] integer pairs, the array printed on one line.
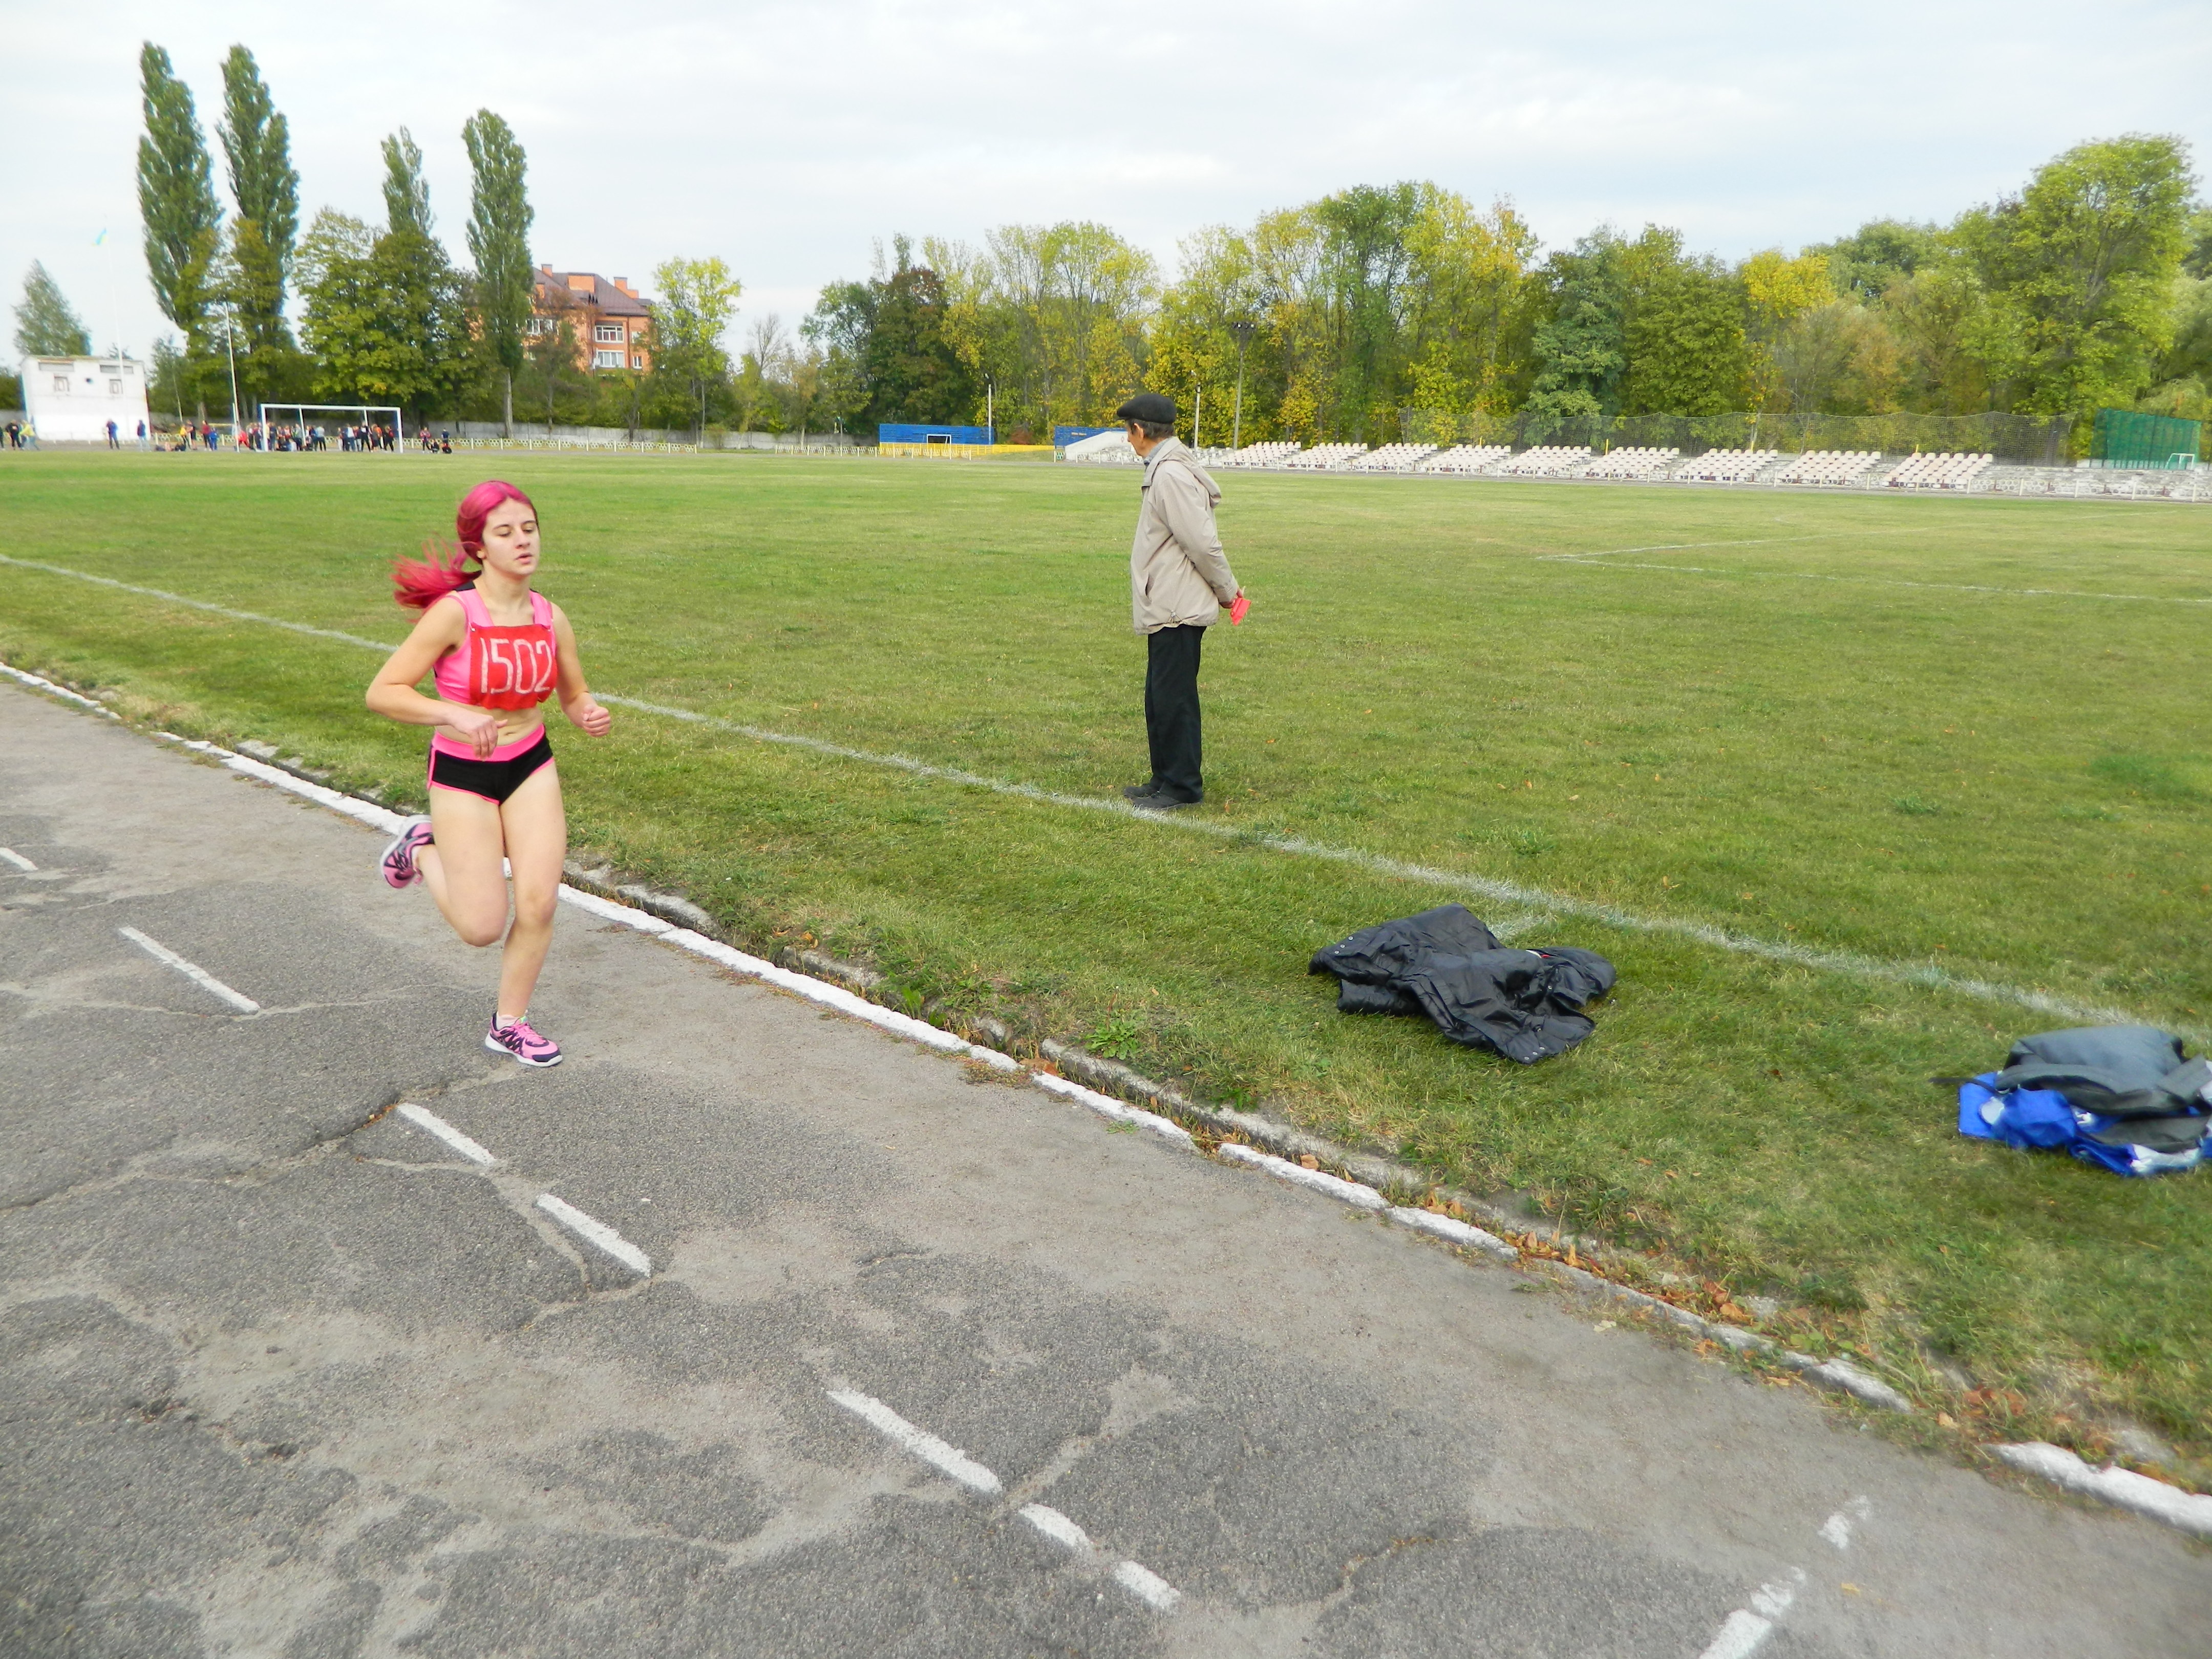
[[72, 400]]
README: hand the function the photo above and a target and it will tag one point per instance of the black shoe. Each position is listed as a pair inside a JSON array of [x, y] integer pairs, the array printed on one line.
[[1159, 801], [1138, 791]]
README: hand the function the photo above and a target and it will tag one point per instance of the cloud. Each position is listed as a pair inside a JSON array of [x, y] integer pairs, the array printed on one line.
[[787, 137]]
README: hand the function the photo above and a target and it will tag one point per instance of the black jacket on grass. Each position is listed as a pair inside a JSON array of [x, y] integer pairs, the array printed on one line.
[[1525, 1005]]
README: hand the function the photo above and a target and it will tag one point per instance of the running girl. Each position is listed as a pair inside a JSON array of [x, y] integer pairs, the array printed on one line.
[[498, 650]]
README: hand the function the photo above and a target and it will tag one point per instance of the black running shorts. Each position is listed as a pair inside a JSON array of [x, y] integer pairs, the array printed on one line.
[[493, 779]]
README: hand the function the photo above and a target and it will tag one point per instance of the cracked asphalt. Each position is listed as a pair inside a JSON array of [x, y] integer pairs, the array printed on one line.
[[283, 1374]]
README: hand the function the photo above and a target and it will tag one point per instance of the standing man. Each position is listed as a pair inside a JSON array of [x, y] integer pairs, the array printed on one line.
[[1178, 582], [111, 444]]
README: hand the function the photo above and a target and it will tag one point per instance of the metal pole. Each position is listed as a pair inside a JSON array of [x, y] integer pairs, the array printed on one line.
[[230, 350], [1242, 329], [990, 412], [1197, 413]]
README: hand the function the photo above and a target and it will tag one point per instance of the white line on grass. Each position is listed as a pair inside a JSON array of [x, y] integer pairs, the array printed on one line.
[[17, 859], [1605, 562], [1927, 976], [446, 1133], [597, 1232], [203, 605], [192, 971], [919, 1443]]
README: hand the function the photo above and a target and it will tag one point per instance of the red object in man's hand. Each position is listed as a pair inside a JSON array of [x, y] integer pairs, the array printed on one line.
[[1237, 608]]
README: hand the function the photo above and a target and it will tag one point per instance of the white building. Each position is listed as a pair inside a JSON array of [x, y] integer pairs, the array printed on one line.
[[72, 400]]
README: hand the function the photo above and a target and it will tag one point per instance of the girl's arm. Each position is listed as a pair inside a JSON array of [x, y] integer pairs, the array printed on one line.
[[577, 702], [393, 694]]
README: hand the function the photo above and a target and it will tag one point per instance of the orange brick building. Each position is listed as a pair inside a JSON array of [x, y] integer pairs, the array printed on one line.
[[609, 321]]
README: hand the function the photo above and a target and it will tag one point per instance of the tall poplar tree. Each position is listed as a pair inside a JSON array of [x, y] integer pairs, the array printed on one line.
[[176, 195], [257, 143], [499, 241], [406, 192]]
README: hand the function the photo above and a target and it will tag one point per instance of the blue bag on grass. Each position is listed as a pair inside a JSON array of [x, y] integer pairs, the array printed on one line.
[[2045, 1118]]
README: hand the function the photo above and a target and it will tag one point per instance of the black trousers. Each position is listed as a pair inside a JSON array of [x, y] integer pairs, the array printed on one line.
[[1171, 722]]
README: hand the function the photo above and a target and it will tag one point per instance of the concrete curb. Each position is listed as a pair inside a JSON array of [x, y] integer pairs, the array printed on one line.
[[679, 922]]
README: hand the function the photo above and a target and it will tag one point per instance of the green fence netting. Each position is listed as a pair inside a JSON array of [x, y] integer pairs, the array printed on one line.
[[2126, 437]]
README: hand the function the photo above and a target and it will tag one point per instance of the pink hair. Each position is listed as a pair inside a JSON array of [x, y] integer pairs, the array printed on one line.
[[420, 583]]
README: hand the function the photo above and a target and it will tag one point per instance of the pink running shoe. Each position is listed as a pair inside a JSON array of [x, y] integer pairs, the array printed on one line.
[[516, 1038], [398, 862]]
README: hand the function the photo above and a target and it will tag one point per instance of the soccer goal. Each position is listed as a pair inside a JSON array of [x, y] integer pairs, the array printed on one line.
[[269, 416]]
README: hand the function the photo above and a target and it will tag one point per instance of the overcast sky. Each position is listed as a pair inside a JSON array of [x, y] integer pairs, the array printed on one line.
[[785, 138]]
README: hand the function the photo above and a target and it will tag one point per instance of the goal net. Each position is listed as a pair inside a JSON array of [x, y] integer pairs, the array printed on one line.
[[383, 420]]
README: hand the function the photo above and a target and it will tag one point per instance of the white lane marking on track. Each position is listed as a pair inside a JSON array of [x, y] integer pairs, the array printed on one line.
[[1058, 1527], [192, 971], [947, 1459], [1927, 976], [597, 1232], [446, 1133], [1147, 1587], [16, 859], [1747, 1627], [1605, 562], [1837, 1528]]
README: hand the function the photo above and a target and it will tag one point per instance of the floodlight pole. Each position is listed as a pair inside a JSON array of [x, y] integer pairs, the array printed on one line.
[[1197, 414], [990, 411], [1242, 329]]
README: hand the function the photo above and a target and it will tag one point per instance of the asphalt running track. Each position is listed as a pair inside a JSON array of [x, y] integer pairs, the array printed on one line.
[[755, 1330]]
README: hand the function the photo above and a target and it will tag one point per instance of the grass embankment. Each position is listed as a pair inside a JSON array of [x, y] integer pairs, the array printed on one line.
[[1853, 726]]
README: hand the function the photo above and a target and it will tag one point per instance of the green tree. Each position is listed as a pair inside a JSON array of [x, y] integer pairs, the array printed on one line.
[[46, 324], [688, 318], [1879, 253], [500, 217], [891, 353], [257, 144], [387, 317], [1684, 334], [1580, 345], [406, 192], [2082, 262], [176, 196]]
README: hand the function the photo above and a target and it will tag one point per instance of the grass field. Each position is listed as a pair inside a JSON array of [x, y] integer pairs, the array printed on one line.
[[1961, 737]]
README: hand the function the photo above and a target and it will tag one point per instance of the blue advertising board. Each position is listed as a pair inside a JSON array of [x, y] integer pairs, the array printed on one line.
[[1064, 435], [907, 433]]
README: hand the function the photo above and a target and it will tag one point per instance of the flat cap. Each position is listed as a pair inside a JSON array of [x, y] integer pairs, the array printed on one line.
[[1148, 406]]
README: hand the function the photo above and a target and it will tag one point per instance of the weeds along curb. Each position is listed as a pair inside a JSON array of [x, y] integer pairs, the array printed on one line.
[[1369, 1183]]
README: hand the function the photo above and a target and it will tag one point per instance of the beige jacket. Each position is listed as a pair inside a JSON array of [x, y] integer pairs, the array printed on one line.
[[1177, 573]]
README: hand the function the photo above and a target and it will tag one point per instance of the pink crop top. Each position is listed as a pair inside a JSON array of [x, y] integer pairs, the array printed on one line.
[[499, 667]]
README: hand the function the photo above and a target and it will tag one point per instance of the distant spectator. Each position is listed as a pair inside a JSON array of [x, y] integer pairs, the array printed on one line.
[[112, 442]]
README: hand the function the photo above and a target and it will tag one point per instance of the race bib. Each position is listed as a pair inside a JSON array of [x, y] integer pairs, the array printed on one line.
[[512, 667]]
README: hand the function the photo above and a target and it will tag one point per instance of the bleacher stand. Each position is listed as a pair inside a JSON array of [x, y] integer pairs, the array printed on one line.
[[1549, 461], [1726, 467], [1632, 464], [1828, 466], [1937, 471], [1465, 457], [1393, 457], [1326, 458], [1267, 454]]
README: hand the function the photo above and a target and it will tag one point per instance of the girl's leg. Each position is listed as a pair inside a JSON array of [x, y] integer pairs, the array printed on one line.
[[462, 868], [537, 847]]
